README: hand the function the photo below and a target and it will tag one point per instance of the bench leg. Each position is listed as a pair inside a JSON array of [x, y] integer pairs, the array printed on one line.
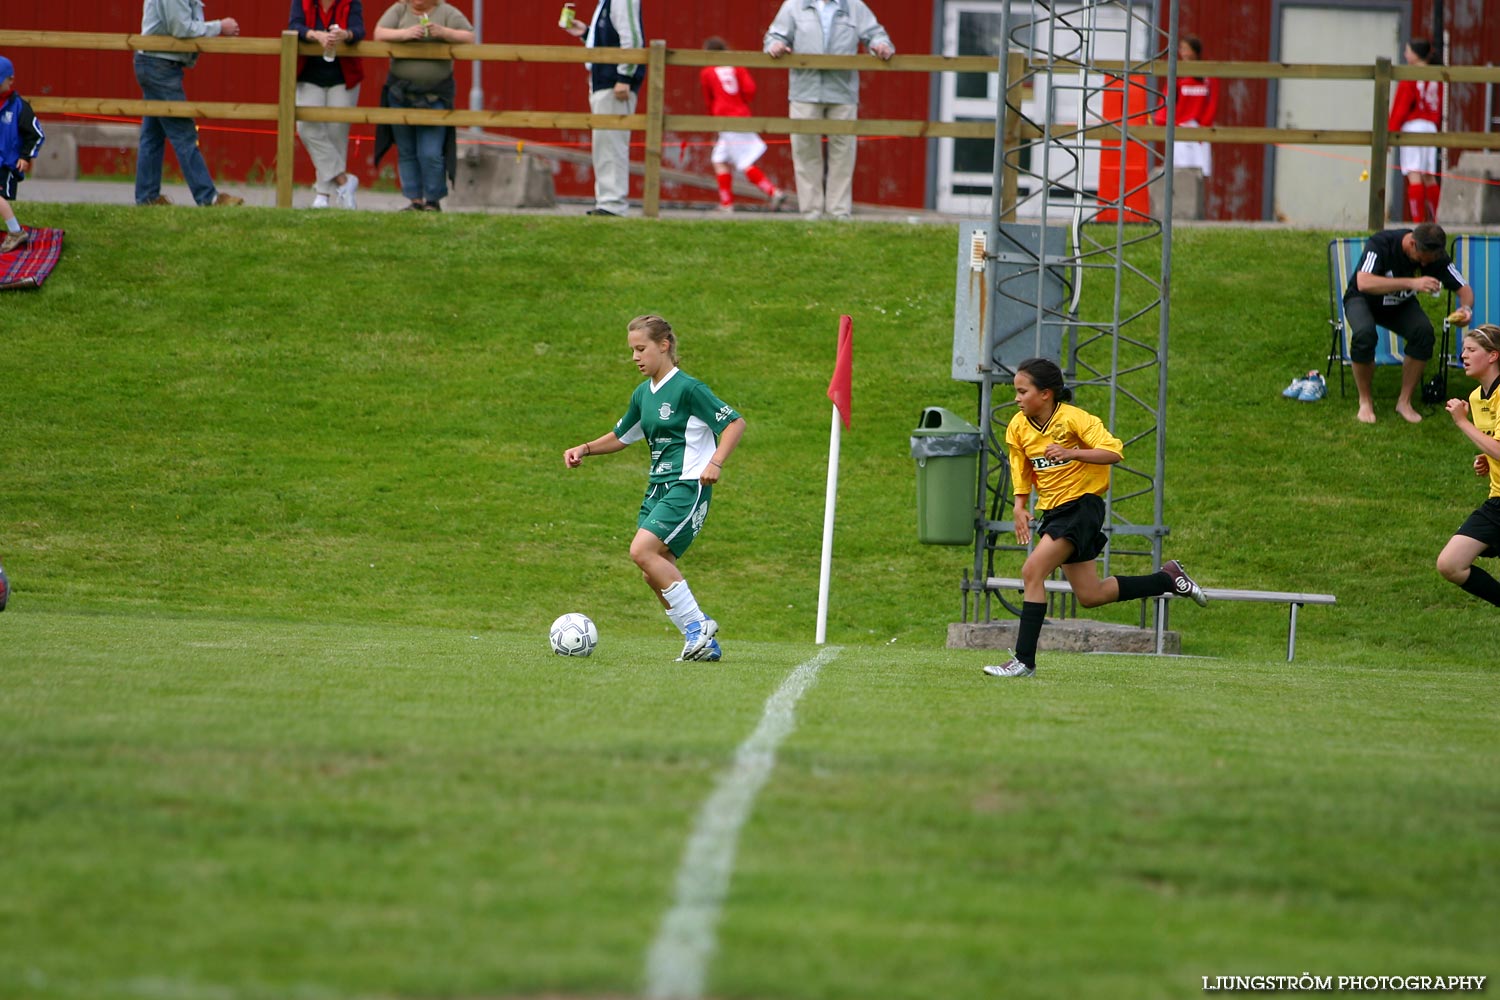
[[1291, 633], [1161, 624]]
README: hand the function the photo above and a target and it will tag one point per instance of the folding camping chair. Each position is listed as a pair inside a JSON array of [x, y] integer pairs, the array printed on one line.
[[1343, 259], [1478, 260]]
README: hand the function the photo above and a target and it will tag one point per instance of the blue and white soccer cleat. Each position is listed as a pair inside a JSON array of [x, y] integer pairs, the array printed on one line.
[[711, 653], [1313, 388], [699, 634]]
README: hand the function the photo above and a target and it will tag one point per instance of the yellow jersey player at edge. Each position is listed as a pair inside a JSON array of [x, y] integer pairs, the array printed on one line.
[[691, 433], [1064, 453], [1478, 419]]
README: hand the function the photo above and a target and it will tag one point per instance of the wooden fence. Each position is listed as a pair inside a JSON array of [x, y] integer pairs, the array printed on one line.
[[656, 122]]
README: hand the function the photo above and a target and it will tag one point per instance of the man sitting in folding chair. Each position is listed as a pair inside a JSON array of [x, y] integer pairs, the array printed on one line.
[[1397, 264]]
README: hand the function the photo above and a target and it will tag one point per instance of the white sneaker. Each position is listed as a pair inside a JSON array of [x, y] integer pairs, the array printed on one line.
[[321, 201], [346, 192], [1012, 668]]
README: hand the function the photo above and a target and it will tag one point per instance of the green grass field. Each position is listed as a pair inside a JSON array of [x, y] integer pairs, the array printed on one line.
[[283, 507]]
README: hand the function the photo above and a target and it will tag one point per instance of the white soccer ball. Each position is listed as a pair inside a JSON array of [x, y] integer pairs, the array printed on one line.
[[573, 635]]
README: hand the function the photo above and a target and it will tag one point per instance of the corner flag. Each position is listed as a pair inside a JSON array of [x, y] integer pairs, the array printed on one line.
[[840, 388]]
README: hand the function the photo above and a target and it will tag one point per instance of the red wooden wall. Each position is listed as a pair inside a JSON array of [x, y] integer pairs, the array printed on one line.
[[891, 171]]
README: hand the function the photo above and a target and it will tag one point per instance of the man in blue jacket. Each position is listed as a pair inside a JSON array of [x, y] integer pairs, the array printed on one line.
[[613, 90]]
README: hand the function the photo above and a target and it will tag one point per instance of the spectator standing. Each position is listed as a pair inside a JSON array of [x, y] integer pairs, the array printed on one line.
[[160, 77], [330, 82], [833, 28], [727, 91], [1197, 107], [427, 154], [614, 89], [21, 138], [1418, 107], [1395, 265]]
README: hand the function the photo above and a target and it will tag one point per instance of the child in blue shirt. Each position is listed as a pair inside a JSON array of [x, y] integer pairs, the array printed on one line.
[[21, 139]]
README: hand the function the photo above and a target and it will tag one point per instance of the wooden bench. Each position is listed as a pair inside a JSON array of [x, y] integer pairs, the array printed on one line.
[[1292, 599]]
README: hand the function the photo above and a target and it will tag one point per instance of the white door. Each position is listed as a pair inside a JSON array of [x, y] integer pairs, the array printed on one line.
[[965, 170], [1321, 185]]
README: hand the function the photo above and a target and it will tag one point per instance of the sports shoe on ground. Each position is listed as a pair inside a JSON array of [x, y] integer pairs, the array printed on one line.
[[160, 199], [602, 211], [711, 653], [321, 201], [1182, 584], [415, 206], [14, 241], [699, 635], [723, 209], [777, 200], [1295, 389], [227, 199], [345, 195], [1011, 668], [1313, 388], [432, 206], [5, 592]]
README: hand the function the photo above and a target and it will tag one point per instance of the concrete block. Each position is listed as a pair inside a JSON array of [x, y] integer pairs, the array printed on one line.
[[1471, 191], [1069, 635], [1187, 194], [58, 160], [491, 176]]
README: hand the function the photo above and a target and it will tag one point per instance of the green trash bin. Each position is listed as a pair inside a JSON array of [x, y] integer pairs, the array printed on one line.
[[946, 447]]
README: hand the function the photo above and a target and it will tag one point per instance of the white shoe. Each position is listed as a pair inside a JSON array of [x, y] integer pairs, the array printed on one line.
[[321, 201], [699, 635], [1011, 668], [346, 192]]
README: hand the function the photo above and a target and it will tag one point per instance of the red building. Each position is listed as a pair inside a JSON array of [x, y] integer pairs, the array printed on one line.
[[1248, 181]]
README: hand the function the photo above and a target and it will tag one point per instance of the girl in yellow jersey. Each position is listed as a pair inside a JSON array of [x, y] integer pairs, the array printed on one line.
[[1064, 453], [1478, 418]]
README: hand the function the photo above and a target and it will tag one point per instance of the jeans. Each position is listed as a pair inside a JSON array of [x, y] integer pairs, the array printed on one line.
[[419, 151], [161, 80]]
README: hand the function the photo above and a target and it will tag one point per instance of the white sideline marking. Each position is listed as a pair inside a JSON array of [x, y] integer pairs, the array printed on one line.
[[677, 964]]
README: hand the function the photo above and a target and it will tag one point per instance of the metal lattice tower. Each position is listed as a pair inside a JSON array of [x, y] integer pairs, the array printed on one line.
[[1075, 266]]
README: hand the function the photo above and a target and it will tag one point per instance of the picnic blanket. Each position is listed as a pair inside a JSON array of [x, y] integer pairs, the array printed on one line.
[[28, 266]]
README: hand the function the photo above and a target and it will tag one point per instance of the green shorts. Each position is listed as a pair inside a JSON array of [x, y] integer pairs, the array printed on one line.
[[675, 512]]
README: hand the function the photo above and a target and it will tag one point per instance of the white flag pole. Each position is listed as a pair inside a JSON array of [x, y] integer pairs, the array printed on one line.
[[830, 501]]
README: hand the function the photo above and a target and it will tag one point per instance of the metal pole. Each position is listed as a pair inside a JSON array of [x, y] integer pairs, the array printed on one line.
[[476, 84], [1166, 300]]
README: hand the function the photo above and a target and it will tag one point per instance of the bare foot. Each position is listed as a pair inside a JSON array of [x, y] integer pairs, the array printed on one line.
[[1366, 413], [1409, 415]]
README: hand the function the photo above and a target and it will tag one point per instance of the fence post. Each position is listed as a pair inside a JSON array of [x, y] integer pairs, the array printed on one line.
[[286, 119], [1379, 144], [656, 100]]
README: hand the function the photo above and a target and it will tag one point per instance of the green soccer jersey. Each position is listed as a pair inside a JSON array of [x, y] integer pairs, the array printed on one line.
[[681, 419]]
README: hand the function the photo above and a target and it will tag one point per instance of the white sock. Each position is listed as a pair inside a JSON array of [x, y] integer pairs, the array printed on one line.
[[680, 599], [675, 620], [13, 224]]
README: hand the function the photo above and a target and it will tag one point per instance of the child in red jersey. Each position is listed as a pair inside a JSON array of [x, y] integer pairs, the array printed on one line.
[[1418, 107], [727, 91], [1197, 107]]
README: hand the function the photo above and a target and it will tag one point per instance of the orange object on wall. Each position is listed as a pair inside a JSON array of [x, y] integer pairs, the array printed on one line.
[[1128, 185]]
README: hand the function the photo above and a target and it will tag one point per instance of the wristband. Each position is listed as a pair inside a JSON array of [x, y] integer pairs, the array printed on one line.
[[719, 464], [586, 449]]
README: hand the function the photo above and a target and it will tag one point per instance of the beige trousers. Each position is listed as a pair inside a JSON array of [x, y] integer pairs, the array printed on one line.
[[814, 196], [327, 143]]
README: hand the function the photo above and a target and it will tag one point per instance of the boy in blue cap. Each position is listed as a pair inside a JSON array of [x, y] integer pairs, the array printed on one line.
[[21, 139]]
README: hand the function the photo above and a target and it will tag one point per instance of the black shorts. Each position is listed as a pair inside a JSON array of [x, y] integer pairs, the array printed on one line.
[[1484, 525], [1078, 521], [8, 181]]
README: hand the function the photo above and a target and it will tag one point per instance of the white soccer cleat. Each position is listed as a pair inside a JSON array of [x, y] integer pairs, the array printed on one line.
[[1012, 668]]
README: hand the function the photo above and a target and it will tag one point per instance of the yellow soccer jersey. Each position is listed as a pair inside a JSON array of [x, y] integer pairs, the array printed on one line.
[[1058, 482], [1486, 414]]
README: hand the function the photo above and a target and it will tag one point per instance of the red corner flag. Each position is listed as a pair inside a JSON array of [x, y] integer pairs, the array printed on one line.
[[840, 387]]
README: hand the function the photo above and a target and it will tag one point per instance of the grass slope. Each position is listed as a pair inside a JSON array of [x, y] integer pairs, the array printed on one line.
[[283, 504]]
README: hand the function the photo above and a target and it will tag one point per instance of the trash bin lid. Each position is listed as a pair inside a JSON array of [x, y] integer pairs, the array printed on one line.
[[936, 420]]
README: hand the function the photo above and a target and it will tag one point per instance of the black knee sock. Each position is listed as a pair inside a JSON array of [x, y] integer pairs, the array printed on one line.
[[1150, 585], [1479, 583], [1033, 613]]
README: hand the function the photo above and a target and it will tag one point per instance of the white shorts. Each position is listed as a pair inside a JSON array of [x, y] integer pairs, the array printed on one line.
[[739, 148], [1193, 154], [1419, 159]]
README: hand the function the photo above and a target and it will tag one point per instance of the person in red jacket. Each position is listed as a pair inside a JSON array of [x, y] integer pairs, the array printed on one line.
[[1197, 106], [329, 82], [727, 91], [1418, 107]]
